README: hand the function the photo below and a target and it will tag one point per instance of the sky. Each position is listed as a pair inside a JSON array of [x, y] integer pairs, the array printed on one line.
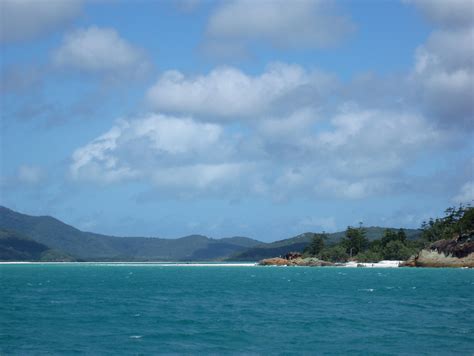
[[262, 118]]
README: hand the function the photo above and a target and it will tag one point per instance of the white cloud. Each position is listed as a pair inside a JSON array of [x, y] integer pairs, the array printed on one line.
[[365, 142], [95, 161], [362, 153], [355, 154], [165, 151], [466, 194], [95, 49], [227, 92], [27, 19], [282, 24]]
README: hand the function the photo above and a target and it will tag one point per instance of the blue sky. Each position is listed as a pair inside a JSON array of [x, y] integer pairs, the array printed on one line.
[[257, 118]]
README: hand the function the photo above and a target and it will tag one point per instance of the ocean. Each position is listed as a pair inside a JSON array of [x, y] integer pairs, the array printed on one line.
[[146, 309]]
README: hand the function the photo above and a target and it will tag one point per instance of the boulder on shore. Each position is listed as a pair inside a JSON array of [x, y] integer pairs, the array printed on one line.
[[457, 252]]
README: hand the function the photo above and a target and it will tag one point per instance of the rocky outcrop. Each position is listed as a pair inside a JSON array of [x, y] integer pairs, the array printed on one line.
[[457, 252], [296, 261], [292, 255], [277, 261]]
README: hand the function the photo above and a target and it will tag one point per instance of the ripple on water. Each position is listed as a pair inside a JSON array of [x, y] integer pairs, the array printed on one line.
[[216, 310]]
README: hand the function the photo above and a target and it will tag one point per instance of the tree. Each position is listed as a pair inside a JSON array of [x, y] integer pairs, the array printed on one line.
[[355, 240], [316, 245], [402, 236], [335, 253], [466, 221], [390, 235], [396, 250]]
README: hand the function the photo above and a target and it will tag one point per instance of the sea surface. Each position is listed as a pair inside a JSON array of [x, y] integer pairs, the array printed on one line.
[[146, 309]]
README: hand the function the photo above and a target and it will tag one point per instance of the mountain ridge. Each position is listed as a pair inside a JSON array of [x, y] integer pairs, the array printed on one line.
[[91, 246], [83, 245]]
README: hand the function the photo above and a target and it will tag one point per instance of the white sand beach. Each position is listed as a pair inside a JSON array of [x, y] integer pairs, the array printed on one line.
[[381, 264]]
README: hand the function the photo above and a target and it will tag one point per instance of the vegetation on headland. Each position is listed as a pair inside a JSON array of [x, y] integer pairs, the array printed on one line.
[[300, 242], [394, 244], [456, 221]]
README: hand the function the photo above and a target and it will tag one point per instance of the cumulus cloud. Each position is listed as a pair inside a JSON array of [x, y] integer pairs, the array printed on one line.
[[100, 50], [353, 155], [165, 151], [27, 19], [282, 24], [227, 92]]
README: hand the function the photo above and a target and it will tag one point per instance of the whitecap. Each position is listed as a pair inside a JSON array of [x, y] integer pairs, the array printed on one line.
[[136, 337]]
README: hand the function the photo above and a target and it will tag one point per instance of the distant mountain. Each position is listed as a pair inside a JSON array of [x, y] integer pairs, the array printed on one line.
[[17, 247], [90, 246], [58, 236], [299, 242]]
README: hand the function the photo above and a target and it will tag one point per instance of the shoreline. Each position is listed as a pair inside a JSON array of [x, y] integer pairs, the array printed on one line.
[[352, 264], [157, 263]]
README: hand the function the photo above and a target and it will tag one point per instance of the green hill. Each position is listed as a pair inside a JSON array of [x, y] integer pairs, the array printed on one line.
[[17, 247], [90, 246]]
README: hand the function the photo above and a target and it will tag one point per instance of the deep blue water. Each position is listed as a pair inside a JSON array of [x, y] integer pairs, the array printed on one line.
[[149, 309]]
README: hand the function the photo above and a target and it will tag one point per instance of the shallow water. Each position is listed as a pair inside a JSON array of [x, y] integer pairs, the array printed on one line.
[[143, 309]]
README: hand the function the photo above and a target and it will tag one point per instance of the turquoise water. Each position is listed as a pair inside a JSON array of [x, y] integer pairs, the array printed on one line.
[[150, 309]]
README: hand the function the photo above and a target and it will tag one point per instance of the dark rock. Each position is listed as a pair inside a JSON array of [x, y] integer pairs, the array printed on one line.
[[292, 255], [457, 252]]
